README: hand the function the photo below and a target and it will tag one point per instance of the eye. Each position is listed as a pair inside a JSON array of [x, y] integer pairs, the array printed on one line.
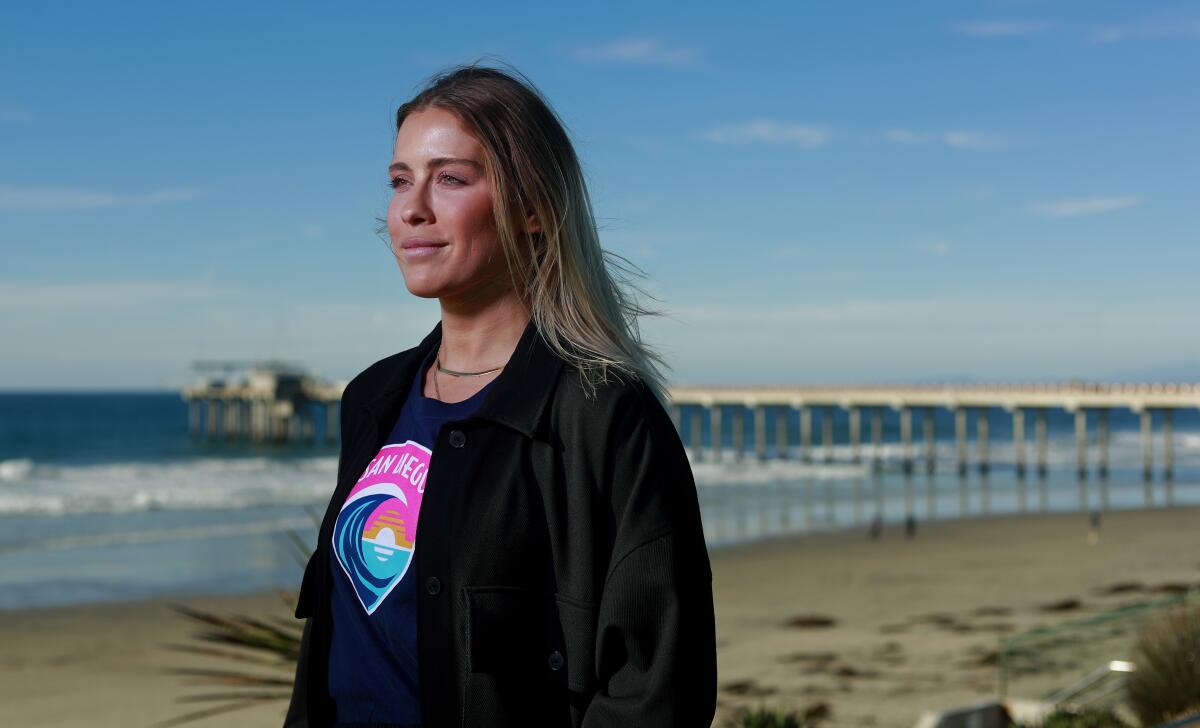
[[396, 182], [452, 180]]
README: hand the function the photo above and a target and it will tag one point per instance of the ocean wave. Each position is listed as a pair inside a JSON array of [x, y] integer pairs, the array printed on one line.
[[160, 535], [14, 470], [206, 483], [29, 487]]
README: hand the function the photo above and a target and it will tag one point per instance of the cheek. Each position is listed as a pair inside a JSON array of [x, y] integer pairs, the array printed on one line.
[[474, 214], [393, 216]]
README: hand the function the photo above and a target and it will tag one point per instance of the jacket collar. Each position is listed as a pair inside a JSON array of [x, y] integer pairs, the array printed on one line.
[[516, 399]]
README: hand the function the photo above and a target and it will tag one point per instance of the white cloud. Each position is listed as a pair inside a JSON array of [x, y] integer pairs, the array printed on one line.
[[907, 339], [642, 51], [87, 298], [955, 139], [769, 132], [1000, 28], [976, 140], [906, 136], [1083, 207], [1114, 33], [10, 114], [1111, 33], [147, 333], [934, 247], [65, 199], [791, 252]]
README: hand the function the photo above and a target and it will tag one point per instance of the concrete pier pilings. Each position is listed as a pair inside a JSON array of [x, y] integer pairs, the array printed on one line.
[[712, 406], [1018, 428], [929, 438], [906, 461], [806, 434], [715, 431], [194, 410], [1102, 442], [760, 432], [1039, 435], [1081, 468], [827, 433], [1168, 429], [1147, 449], [781, 433], [855, 415], [876, 438], [739, 432], [960, 439], [981, 439]]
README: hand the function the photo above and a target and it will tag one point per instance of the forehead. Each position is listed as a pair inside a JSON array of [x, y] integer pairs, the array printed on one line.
[[435, 132]]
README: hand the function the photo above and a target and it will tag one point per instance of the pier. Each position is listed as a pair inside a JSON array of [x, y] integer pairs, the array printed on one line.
[[277, 402], [271, 402], [1088, 402]]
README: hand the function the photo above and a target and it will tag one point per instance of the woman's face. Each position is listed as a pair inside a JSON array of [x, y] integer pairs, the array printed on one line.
[[440, 216]]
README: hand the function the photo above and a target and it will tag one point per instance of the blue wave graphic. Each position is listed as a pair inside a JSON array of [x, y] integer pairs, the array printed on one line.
[[372, 576]]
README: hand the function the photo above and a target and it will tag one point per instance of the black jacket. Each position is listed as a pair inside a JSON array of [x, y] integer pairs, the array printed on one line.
[[563, 578]]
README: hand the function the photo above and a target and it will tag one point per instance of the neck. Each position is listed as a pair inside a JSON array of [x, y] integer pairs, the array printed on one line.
[[482, 332]]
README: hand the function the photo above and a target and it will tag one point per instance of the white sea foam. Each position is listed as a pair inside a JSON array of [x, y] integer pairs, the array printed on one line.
[[15, 470], [208, 483], [28, 487], [160, 535]]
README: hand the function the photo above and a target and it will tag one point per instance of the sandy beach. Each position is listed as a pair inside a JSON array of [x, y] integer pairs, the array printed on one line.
[[869, 632]]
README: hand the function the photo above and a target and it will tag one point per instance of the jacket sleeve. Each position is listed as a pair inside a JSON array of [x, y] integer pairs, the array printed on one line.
[[297, 713], [655, 637]]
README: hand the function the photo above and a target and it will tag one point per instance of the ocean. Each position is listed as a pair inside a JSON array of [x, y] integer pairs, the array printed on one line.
[[107, 497]]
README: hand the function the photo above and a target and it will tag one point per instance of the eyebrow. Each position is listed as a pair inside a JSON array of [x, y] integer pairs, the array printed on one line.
[[436, 162]]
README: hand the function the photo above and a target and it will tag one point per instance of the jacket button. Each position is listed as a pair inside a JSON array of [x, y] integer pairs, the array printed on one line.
[[556, 661], [457, 438], [432, 586]]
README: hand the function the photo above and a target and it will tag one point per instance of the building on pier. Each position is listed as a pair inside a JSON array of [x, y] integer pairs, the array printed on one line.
[[266, 401]]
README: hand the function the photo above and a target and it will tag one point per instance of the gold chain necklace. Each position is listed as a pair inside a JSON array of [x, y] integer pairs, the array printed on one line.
[[439, 368]]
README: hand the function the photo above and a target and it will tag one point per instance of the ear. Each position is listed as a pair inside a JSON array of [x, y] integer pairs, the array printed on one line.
[[531, 224]]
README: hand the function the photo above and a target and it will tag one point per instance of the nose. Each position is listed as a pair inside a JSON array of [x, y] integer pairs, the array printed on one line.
[[414, 206]]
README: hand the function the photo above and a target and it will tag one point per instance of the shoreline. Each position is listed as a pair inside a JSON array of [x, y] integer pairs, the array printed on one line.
[[830, 618]]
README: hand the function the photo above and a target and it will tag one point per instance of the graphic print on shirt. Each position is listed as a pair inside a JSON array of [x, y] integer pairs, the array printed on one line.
[[375, 531]]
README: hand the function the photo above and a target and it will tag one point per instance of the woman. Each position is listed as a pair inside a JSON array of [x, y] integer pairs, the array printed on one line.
[[560, 576]]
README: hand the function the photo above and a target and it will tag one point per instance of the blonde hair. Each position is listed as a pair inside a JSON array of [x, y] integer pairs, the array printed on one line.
[[581, 298]]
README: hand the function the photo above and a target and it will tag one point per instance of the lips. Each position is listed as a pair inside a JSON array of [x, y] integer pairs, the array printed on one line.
[[417, 243]]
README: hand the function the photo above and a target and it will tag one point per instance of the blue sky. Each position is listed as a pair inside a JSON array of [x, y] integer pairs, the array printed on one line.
[[852, 192]]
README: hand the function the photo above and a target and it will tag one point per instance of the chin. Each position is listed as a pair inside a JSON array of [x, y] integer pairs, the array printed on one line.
[[422, 290], [421, 286]]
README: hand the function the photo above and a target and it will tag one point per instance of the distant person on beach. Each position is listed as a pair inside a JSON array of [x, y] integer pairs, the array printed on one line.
[[560, 575]]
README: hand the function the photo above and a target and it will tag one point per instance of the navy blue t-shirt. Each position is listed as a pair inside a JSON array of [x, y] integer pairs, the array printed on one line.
[[373, 654]]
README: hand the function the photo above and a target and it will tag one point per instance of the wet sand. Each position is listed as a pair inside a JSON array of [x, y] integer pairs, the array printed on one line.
[[871, 632]]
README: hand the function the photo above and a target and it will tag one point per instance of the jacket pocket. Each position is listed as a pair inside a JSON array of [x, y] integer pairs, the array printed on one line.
[[518, 632]]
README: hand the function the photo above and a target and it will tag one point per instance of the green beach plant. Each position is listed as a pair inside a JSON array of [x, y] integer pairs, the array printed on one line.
[[766, 718], [1090, 718], [269, 648], [265, 653], [1166, 683]]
